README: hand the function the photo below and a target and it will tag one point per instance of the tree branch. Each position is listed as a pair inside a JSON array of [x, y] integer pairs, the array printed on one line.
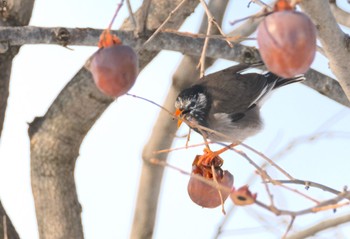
[[324, 225], [335, 42], [340, 15], [190, 44], [18, 13], [55, 140], [6, 228]]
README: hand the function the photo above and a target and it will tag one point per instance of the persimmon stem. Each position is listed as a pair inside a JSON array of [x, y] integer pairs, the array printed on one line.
[[119, 6]]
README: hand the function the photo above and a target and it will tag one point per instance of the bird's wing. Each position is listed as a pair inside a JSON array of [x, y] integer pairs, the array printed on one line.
[[235, 93]]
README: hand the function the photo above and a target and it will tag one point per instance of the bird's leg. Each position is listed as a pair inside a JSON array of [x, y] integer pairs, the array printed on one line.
[[212, 157], [188, 137]]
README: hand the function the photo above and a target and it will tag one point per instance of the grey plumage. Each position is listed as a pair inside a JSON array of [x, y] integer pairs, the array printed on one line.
[[229, 102]]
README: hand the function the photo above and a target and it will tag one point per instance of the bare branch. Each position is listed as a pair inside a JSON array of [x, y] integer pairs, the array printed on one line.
[[131, 14], [142, 19], [17, 13], [340, 15], [309, 184], [248, 27], [6, 228], [164, 23], [289, 227], [55, 142], [190, 44], [326, 86], [335, 43], [324, 225], [5, 74]]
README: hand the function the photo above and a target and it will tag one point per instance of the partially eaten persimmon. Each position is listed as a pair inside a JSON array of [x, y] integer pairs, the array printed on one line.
[[205, 194]]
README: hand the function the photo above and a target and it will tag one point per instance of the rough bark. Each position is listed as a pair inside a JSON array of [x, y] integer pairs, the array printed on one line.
[[13, 13], [54, 143], [55, 140], [6, 228], [5, 75]]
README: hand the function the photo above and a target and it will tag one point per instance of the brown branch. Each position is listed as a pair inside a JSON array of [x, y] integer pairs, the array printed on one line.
[[289, 227], [142, 19], [309, 184], [320, 207], [335, 42], [342, 17], [326, 86], [248, 27], [189, 44], [6, 228], [56, 138], [324, 225], [54, 143], [18, 13], [5, 75]]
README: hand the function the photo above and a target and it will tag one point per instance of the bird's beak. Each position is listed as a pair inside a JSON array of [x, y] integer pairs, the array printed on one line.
[[178, 113]]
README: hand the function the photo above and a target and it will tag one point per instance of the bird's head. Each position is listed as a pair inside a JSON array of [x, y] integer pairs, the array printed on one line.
[[193, 105]]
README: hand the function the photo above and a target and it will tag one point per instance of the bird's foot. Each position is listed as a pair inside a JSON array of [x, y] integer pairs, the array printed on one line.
[[210, 158]]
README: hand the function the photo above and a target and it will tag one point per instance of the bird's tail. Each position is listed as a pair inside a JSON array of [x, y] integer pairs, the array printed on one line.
[[283, 81]]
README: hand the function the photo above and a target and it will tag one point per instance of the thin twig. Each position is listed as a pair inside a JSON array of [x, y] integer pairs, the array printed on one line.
[[163, 24], [131, 14], [261, 3], [211, 21], [244, 155], [152, 102], [268, 189], [321, 226], [328, 204], [226, 38], [215, 185], [289, 227], [220, 194], [142, 20], [260, 14], [115, 14], [268, 160], [204, 51], [308, 184], [179, 148]]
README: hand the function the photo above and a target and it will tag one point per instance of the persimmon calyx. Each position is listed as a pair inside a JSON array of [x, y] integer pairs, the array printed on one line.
[[108, 39]]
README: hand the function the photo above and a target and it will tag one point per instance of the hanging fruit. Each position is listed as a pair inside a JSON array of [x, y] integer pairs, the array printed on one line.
[[287, 41], [205, 194], [114, 69], [114, 66]]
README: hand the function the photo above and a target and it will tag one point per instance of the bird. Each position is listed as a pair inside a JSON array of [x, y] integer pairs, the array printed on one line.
[[225, 106]]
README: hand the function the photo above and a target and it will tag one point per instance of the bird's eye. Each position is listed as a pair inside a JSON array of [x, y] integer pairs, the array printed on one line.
[[186, 111]]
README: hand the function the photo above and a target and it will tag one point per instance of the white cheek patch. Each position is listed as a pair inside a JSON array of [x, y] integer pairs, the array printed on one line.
[[182, 104], [201, 101]]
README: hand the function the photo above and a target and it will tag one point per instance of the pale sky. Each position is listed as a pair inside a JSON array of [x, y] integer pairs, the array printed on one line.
[[108, 168]]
